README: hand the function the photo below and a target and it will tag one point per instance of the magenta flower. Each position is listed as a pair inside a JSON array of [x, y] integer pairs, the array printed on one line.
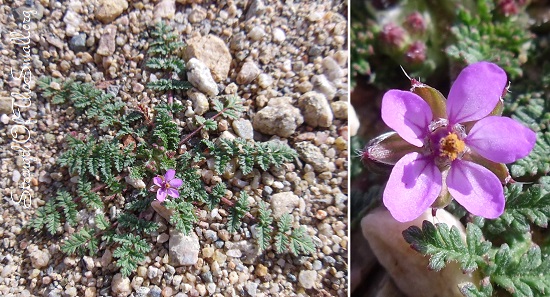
[[167, 185], [454, 146]]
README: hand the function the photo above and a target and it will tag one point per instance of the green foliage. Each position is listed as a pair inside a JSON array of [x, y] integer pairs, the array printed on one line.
[[522, 209], [66, 203], [130, 221], [163, 50], [209, 124], [165, 40], [132, 250], [46, 216], [55, 89], [264, 226], [445, 245], [81, 241], [101, 222], [50, 215], [97, 159], [470, 290], [237, 212], [184, 215], [526, 276], [484, 35], [86, 98], [249, 154], [89, 198], [192, 188], [169, 84], [297, 241], [166, 130], [218, 191], [229, 107], [171, 64]]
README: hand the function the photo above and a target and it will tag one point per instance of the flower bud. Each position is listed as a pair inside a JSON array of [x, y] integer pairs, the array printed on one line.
[[416, 53], [393, 36], [415, 23]]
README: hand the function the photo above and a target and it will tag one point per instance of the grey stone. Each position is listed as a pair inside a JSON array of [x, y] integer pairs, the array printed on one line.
[[78, 43], [312, 155], [243, 128], [316, 109], [107, 43], [249, 72], [279, 117]]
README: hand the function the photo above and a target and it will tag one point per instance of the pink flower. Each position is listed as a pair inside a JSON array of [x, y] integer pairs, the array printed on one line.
[[454, 146], [167, 185]]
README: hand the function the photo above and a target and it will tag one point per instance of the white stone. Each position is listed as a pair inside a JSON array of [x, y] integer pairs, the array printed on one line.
[[72, 22], [279, 117], [307, 278], [200, 102], [120, 286], [243, 128], [353, 121], [200, 77], [278, 35], [136, 183], [183, 249], [249, 72], [164, 9]]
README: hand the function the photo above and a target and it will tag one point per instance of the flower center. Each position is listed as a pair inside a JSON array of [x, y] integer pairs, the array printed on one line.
[[451, 146]]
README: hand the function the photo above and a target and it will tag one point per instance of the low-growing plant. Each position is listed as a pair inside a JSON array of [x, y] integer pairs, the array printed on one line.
[[148, 154]]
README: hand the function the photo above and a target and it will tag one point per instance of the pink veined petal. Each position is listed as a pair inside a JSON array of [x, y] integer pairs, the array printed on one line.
[[407, 114], [170, 174], [414, 184], [173, 192], [161, 195], [158, 181], [476, 92], [476, 188], [500, 139]]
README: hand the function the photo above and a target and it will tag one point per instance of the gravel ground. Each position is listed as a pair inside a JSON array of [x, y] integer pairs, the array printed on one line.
[[287, 60]]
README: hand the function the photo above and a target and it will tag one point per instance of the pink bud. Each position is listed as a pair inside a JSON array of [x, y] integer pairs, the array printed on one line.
[[393, 35], [415, 23], [416, 53]]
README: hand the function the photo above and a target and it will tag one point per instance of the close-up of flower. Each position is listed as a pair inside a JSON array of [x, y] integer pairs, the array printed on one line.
[[168, 185], [449, 149]]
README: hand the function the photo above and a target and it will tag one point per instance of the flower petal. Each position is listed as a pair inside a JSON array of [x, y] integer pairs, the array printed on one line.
[[414, 184], [407, 114], [170, 174], [158, 181], [476, 188], [176, 183], [173, 192], [476, 92], [161, 195], [500, 139]]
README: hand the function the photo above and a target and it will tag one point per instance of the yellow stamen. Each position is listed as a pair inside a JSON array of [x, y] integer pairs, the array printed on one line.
[[450, 146]]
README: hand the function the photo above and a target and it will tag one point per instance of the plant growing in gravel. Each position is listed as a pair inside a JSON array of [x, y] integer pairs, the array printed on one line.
[[144, 158]]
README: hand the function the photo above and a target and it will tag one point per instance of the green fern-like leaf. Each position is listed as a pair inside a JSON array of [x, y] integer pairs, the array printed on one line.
[[218, 191], [530, 276], [167, 131], [231, 107], [301, 242], [282, 239], [172, 64], [66, 203], [522, 209], [470, 290], [79, 242], [130, 221], [264, 226], [132, 250], [237, 213], [444, 245], [101, 222], [89, 198], [184, 215], [169, 84]]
